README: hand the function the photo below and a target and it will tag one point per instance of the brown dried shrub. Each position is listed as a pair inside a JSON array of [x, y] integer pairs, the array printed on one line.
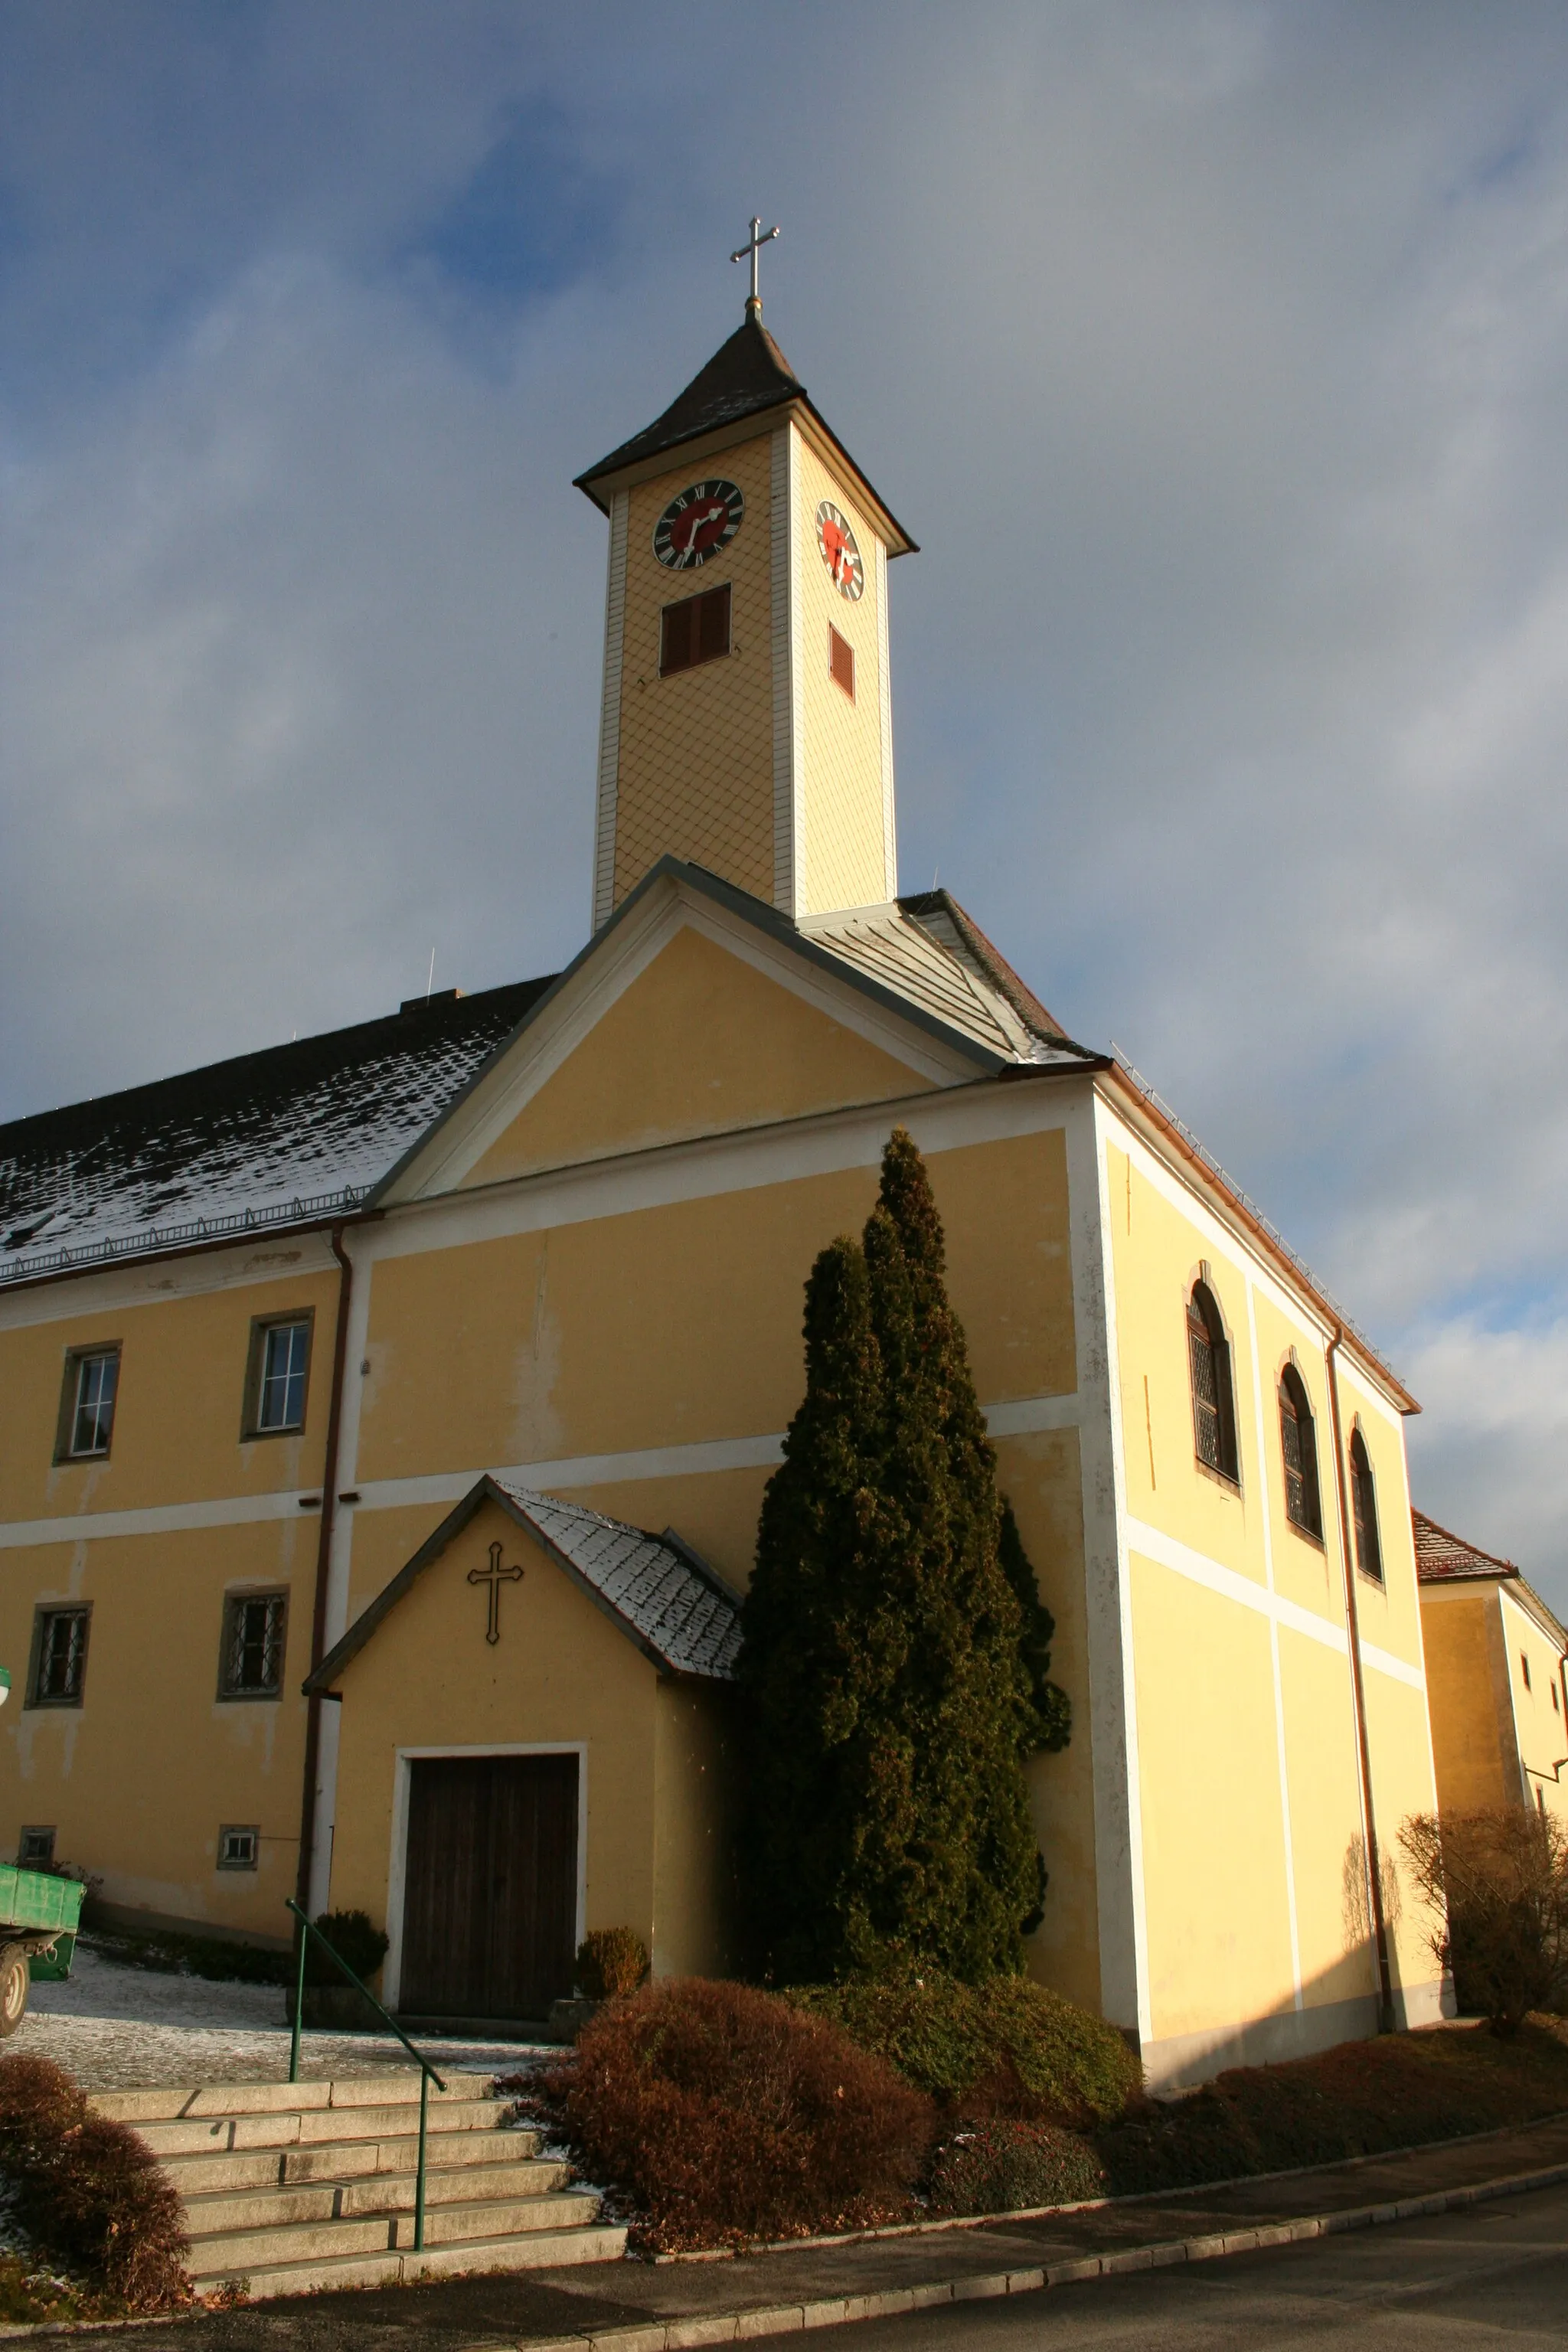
[[610, 1962], [91, 2194], [728, 2115], [1495, 1882]]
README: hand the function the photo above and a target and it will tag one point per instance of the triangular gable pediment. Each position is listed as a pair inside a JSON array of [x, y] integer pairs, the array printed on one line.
[[697, 1010], [655, 1589]]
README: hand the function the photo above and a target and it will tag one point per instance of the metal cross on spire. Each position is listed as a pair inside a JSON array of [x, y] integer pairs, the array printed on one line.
[[753, 246]]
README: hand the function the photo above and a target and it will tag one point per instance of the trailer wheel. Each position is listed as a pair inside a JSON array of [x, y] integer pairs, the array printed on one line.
[[14, 1986]]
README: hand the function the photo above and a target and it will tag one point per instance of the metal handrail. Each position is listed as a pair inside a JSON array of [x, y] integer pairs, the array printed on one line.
[[427, 2073]]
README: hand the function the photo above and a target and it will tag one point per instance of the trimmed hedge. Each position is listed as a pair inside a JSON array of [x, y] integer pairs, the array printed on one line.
[[170, 1953], [1004, 2167], [727, 2116], [610, 1960], [1006, 2048], [356, 1937], [1358, 2099], [91, 2195]]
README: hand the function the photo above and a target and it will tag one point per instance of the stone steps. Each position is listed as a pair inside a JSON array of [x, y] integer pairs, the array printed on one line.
[[279, 2168], [288, 2188]]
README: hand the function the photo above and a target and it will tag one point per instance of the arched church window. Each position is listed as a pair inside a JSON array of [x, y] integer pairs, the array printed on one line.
[[1214, 1403], [1299, 1446], [1364, 1508]]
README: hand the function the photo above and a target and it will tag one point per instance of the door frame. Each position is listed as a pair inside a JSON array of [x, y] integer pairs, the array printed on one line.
[[402, 1758]]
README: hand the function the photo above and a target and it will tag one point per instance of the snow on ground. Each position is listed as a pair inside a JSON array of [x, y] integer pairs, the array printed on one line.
[[115, 2027]]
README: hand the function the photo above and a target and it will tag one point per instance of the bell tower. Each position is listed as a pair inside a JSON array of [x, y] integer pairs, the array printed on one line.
[[746, 723]]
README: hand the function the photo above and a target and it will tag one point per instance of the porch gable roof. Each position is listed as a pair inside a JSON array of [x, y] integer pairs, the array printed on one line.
[[661, 1594]]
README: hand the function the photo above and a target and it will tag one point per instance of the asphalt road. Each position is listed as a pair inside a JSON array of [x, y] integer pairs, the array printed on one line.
[[1492, 2275]]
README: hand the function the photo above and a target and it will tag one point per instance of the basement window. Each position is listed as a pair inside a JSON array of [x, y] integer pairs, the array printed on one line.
[[36, 1848], [694, 630], [238, 1848]]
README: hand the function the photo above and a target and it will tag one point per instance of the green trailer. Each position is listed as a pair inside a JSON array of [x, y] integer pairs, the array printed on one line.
[[39, 1915]]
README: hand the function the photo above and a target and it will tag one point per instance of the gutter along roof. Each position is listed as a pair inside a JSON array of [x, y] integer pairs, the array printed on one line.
[[1136, 1091], [656, 1590]]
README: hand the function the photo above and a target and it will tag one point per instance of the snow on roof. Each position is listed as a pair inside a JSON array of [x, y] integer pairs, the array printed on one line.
[[659, 1592], [282, 1137]]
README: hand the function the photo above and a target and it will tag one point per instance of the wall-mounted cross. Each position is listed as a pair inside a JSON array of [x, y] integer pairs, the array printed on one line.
[[753, 246], [495, 1576]]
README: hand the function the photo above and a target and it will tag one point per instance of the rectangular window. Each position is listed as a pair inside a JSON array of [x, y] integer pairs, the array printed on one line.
[[694, 630], [60, 1657], [36, 1849], [841, 661], [238, 1847], [276, 1374], [285, 1353], [253, 1629], [87, 1404], [1524, 1667]]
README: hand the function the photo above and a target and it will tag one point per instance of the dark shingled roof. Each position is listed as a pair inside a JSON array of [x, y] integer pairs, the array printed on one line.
[[746, 375], [1442, 1558], [277, 1138], [660, 1593]]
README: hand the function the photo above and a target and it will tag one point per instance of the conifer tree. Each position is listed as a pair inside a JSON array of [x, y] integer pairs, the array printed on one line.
[[895, 1662]]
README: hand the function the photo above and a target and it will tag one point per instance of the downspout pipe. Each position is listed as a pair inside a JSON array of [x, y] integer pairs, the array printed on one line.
[[323, 1565], [1386, 2021]]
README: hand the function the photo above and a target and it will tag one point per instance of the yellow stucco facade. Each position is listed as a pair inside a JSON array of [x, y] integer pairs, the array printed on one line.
[[1495, 1672], [585, 1276]]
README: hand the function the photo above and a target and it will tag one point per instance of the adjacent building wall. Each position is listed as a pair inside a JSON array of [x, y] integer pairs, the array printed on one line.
[[1252, 1899]]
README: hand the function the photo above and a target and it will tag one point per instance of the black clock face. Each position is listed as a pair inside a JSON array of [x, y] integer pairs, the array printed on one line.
[[699, 523]]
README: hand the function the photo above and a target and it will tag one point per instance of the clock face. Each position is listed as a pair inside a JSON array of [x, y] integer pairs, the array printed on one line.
[[839, 551], [699, 523]]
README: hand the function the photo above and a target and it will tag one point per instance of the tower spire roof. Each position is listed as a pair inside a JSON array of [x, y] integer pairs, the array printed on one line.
[[745, 375]]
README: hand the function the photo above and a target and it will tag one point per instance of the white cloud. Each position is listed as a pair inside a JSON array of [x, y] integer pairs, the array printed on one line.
[[1217, 355]]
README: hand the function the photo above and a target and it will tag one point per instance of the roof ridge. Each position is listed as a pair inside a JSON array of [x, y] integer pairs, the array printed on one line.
[[441, 1010], [1464, 1543]]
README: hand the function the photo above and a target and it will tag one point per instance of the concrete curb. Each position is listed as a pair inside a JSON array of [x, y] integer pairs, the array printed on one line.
[[835, 2311], [694, 2329]]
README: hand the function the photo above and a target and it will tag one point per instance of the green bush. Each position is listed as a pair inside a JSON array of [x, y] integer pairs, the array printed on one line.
[[726, 2117], [610, 1960], [1006, 2048], [1004, 2167], [355, 1935], [90, 2192]]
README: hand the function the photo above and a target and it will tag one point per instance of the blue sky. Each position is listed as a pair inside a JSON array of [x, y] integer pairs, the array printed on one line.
[[1217, 354]]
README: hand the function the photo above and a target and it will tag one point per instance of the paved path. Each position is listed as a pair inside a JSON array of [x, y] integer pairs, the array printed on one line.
[[1491, 2279], [756, 2294], [116, 2028]]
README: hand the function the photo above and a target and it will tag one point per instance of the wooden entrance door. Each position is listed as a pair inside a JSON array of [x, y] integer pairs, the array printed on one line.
[[490, 1901]]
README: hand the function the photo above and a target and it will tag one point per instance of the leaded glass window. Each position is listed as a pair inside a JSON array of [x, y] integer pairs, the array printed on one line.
[[254, 1627], [59, 1668], [1213, 1410], [1298, 1447], [1364, 1505]]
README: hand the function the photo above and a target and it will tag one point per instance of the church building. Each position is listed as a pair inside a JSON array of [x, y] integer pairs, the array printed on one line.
[[387, 1414]]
